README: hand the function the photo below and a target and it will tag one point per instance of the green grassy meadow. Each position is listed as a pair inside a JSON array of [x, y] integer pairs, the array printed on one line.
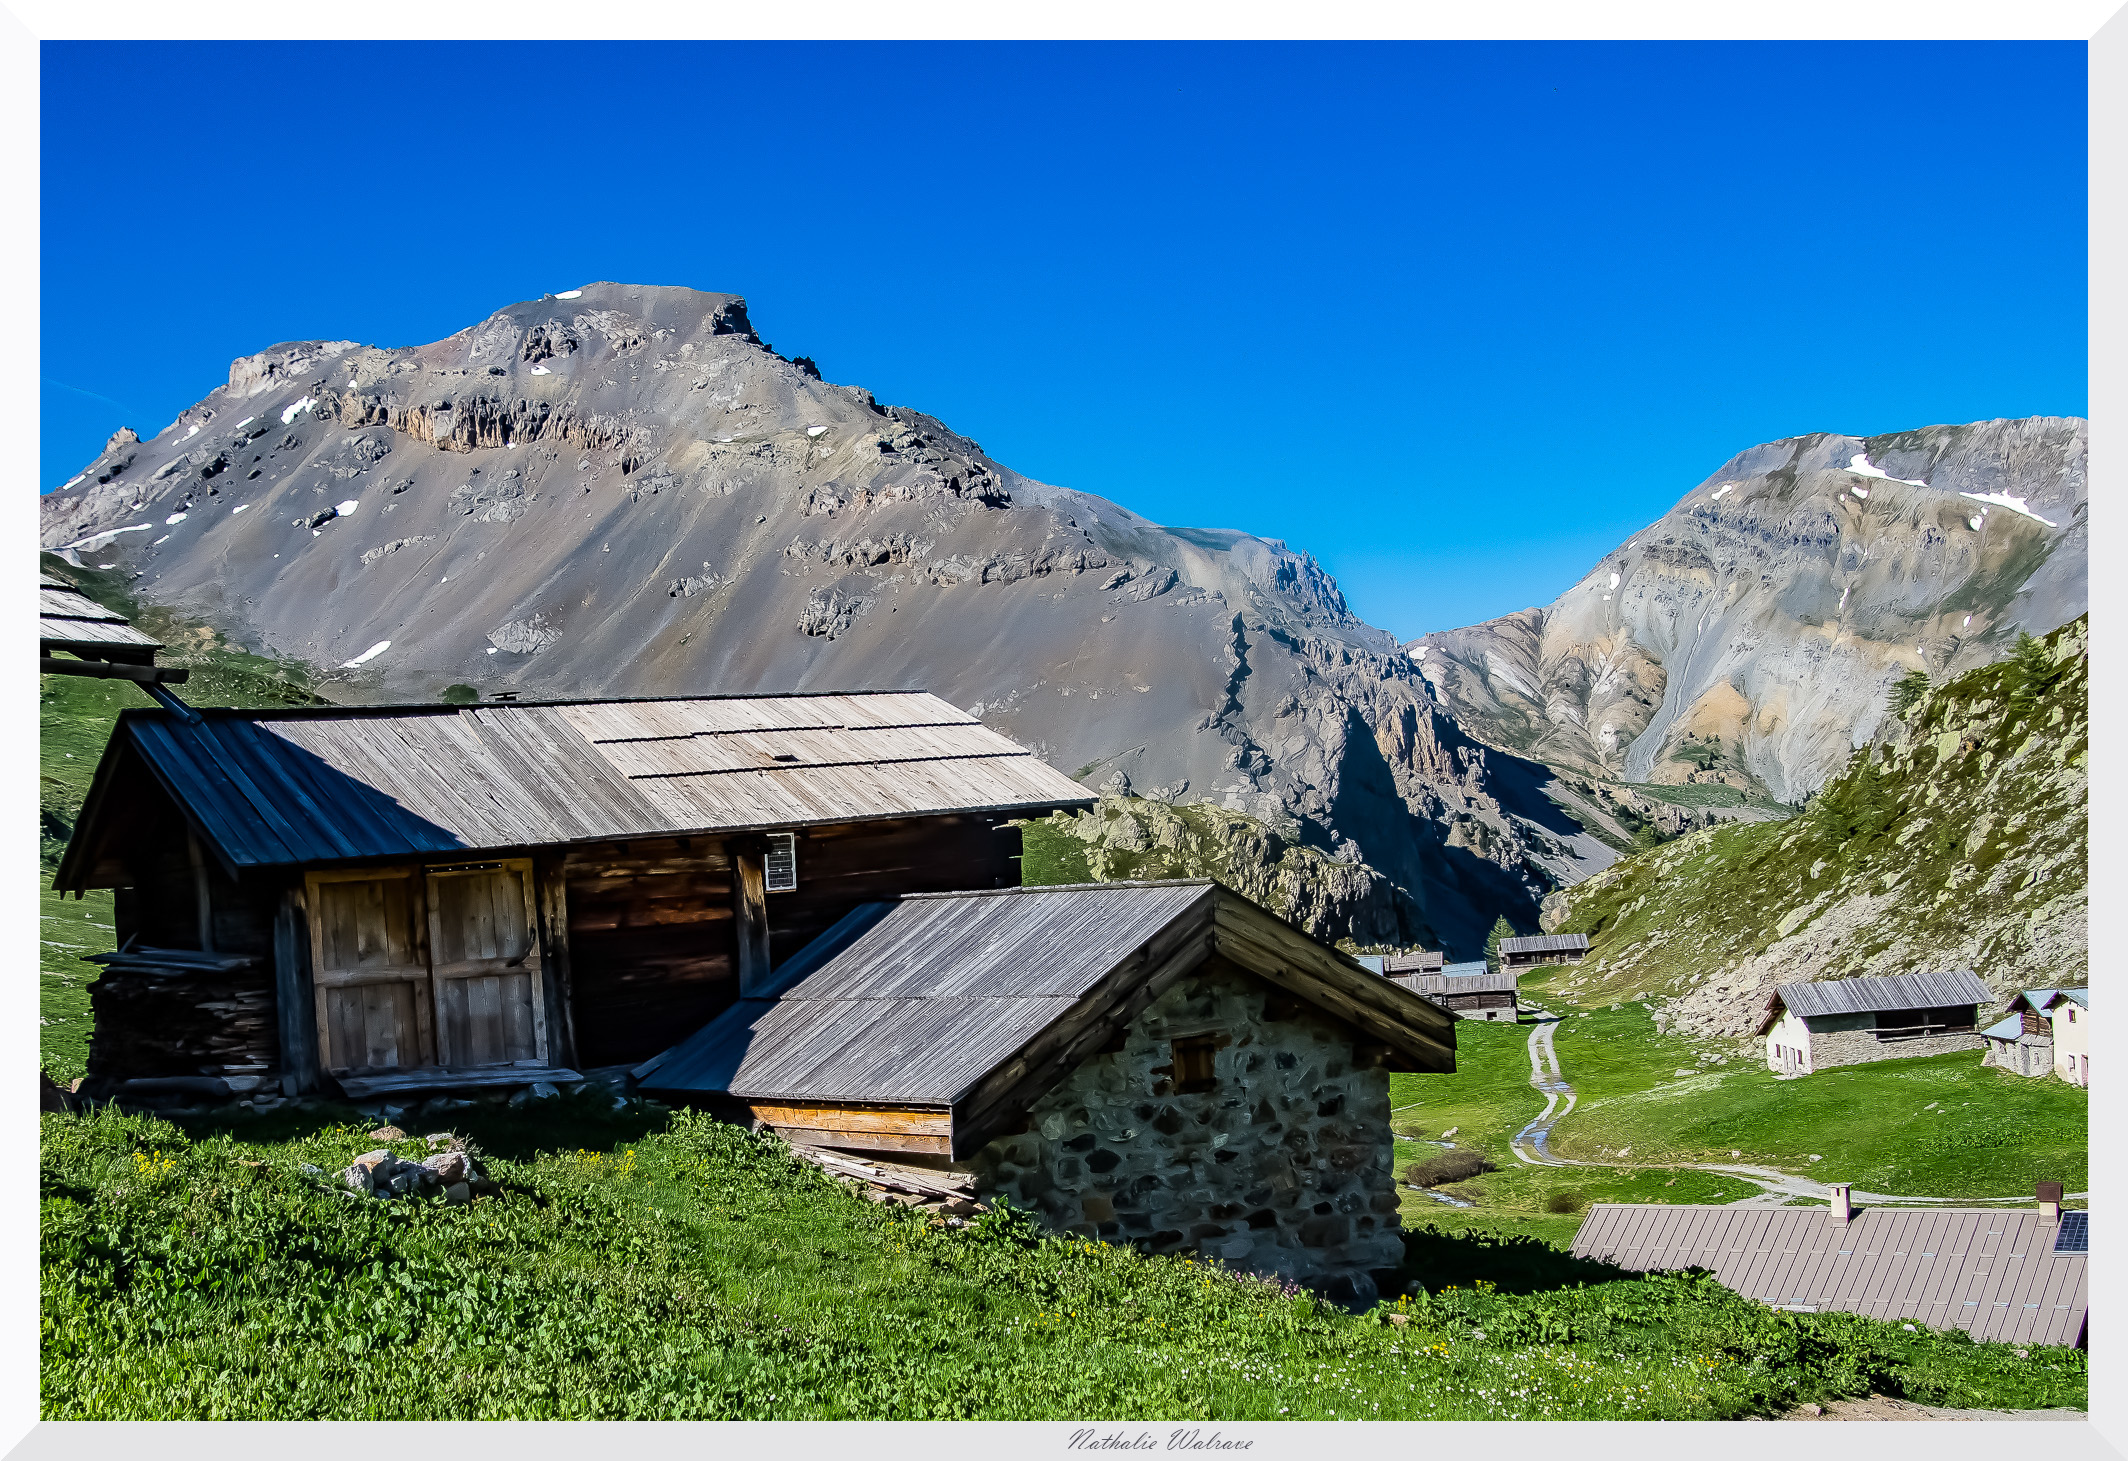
[[669, 1266]]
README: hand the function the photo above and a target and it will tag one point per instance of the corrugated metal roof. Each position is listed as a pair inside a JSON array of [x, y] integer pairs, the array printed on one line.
[[280, 787], [913, 1002], [1480, 981], [1422, 962], [1546, 943], [1476, 968], [1926, 990], [2011, 1029], [1994, 1274], [2078, 997], [66, 618]]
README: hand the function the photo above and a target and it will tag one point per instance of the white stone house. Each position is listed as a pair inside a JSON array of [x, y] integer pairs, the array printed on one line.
[[2070, 1011], [1815, 1026]]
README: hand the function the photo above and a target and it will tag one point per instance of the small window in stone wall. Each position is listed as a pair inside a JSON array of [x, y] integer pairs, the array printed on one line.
[[1193, 1062]]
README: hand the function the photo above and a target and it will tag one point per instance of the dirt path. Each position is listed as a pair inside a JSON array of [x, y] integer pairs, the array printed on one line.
[[1532, 1144], [1883, 1407]]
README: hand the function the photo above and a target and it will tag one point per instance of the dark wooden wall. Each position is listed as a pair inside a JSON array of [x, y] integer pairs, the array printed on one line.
[[652, 943]]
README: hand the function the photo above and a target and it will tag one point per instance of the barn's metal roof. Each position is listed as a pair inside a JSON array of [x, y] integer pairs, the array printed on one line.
[[1546, 943], [1475, 969], [919, 1001], [1421, 962], [278, 787], [2012, 1028], [66, 619], [1479, 980], [1997, 1275], [2079, 997], [914, 1002], [1927, 990]]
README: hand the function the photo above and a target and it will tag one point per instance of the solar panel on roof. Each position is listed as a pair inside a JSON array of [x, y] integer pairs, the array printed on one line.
[[2075, 1235]]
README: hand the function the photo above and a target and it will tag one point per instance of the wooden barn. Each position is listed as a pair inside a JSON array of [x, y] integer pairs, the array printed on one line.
[[1164, 1064], [1544, 948], [1470, 991], [418, 898]]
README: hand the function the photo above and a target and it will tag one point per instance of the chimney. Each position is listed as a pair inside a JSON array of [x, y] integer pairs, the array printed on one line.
[[2050, 1194], [1843, 1204]]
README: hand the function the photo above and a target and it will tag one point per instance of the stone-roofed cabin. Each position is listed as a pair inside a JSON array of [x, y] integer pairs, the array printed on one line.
[[1814, 1026], [406, 898], [1164, 1064]]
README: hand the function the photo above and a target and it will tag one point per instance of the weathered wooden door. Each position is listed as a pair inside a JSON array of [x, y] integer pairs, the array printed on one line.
[[369, 970], [484, 957]]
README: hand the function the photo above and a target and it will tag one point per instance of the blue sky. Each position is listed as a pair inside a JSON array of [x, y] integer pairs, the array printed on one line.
[[1455, 318]]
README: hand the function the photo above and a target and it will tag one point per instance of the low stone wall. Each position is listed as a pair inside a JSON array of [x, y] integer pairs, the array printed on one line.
[[1283, 1167], [1854, 1047]]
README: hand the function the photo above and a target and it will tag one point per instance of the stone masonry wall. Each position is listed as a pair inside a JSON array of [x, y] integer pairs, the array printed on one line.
[[1283, 1167], [1844, 1040], [2026, 1057]]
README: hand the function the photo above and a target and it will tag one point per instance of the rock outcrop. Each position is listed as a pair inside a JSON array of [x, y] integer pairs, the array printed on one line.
[[1748, 637]]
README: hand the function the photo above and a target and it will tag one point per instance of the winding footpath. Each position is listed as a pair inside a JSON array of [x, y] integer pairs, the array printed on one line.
[[1532, 1144]]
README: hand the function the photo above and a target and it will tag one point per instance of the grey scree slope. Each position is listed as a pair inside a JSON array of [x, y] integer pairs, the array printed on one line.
[[286, 787], [1884, 992], [624, 492], [921, 1002], [1995, 1274]]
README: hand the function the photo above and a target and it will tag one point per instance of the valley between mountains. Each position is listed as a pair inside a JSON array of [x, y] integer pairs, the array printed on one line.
[[622, 490]]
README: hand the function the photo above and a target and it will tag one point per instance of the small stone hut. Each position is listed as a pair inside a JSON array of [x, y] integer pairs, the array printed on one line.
[[2022, 1041], [1815, 1026], [1164, 1064]]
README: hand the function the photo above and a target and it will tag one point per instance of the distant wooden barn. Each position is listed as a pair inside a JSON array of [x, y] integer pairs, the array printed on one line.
[[1470, 991], [427, 897], [2012, 1276], [1164, 1064], [1541, 949], [1814, 1026]]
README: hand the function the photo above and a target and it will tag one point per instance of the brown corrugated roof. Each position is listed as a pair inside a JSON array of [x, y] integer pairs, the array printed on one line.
[[1994, 1274]]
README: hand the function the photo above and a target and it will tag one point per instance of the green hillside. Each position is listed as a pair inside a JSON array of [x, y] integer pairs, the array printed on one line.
[[1958, 843], [640, 1266]]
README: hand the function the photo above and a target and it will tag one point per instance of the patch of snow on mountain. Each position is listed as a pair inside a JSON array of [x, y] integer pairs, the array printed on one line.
[[238, 508], [1861, 492], [368, 654], [2004, 499], [1614, 580], [570, 294], [175, 517], [1722, 491], [541, 370], [347, 507], [95, 538], [1859, 464], [296, 410], [244, 423]]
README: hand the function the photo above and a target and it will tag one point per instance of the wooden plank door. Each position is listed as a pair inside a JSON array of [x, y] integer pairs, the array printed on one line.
[[484, 951], [369, 971]]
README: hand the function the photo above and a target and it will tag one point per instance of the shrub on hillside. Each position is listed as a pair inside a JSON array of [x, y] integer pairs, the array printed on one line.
[[1450, 1166]]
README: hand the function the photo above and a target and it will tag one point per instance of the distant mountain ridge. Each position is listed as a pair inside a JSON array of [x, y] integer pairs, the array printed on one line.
[[1749, 635], [620, 490]]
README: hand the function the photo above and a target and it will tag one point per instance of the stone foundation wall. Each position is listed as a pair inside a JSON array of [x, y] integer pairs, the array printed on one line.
[[1829, 1048], [1284, 1166]]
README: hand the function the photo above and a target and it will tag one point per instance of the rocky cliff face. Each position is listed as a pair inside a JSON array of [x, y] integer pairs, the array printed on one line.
[[621, 491], [1957, 840], [1749, 636], [1130, 838]]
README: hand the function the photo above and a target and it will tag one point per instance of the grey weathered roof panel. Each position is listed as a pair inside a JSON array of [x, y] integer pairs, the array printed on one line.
[[1991, 1272], [309, 786], [1546, 943], [1925, 990]]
